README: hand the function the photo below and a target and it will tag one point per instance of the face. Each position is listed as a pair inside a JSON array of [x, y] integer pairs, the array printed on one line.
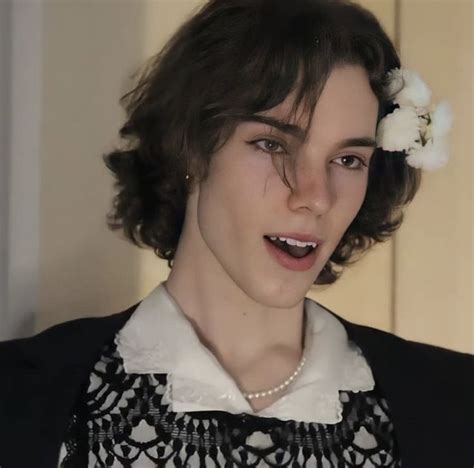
[[244, 197]]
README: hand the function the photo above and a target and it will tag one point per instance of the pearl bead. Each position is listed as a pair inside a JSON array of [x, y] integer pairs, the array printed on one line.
[[250, 396]]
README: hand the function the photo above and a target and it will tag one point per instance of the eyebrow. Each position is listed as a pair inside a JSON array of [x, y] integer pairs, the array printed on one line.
[[297, 132]]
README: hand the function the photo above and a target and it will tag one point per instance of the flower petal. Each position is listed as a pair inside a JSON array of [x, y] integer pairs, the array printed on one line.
[[441, 120], [395, 81], [415, 92], [399, 130], [432, 156]]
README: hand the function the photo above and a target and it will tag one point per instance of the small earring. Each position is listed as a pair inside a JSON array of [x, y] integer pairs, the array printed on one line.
[[187, 177]]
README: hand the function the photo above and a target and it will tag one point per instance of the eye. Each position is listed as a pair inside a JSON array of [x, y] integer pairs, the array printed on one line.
[[349, 160], [268, 145]]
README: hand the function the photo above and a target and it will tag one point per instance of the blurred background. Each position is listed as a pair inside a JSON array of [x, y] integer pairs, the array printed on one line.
[[64, 65]]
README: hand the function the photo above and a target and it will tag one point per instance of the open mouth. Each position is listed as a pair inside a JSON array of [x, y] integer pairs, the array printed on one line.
[[292, 250]]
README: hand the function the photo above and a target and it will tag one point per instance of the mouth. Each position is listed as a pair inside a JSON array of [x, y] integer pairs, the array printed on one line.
[[294, 251], [292, 257]]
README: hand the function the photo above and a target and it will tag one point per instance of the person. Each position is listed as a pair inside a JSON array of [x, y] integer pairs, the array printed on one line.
[[262, 155]]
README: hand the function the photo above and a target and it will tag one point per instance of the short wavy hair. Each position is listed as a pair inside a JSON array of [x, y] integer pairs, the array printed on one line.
[[231, 59]]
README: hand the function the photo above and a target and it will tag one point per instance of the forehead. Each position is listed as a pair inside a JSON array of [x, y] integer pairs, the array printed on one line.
[[347, 106]]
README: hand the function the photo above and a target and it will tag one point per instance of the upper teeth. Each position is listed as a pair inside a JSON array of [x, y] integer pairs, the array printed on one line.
[[294, 242]]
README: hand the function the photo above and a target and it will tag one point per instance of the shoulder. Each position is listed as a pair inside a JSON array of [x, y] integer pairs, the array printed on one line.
[[417, 359], [420, 374], [397, 347], [394, 357], [427, 387], [68, 342]]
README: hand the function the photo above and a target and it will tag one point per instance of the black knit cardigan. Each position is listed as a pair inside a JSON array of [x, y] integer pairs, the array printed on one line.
[[430, 391]]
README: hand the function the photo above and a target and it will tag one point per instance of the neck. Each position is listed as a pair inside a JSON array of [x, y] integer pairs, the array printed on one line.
[[255, 331], [233, 326]]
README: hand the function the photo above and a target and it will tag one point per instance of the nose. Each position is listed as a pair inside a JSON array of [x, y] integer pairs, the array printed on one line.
[[311, 190]]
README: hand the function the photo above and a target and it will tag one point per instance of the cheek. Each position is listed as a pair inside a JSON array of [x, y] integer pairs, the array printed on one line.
[[351, 190], [248, 176], [230, 200]]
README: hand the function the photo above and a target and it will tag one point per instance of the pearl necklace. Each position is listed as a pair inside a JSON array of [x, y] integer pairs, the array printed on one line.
[[278, 388]]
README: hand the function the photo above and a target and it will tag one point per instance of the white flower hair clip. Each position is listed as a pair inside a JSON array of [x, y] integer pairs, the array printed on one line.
[[416, 126]]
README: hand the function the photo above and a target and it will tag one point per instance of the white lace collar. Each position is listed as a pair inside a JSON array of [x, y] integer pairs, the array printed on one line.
[[158, 338]]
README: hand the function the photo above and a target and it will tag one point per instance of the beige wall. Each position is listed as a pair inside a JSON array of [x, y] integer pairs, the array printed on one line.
[[434, 282], [420, 285]]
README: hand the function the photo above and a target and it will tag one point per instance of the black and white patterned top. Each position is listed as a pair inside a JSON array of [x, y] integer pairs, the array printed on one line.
[[157, 398], [125, 420]]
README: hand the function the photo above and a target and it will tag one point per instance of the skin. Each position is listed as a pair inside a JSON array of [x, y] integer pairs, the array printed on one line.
[[245, 307]]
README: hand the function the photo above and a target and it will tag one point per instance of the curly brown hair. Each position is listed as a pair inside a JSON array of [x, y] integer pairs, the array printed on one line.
[[231, 59]]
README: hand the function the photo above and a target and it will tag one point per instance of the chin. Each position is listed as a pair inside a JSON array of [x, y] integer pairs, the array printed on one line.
[[281, 293]]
